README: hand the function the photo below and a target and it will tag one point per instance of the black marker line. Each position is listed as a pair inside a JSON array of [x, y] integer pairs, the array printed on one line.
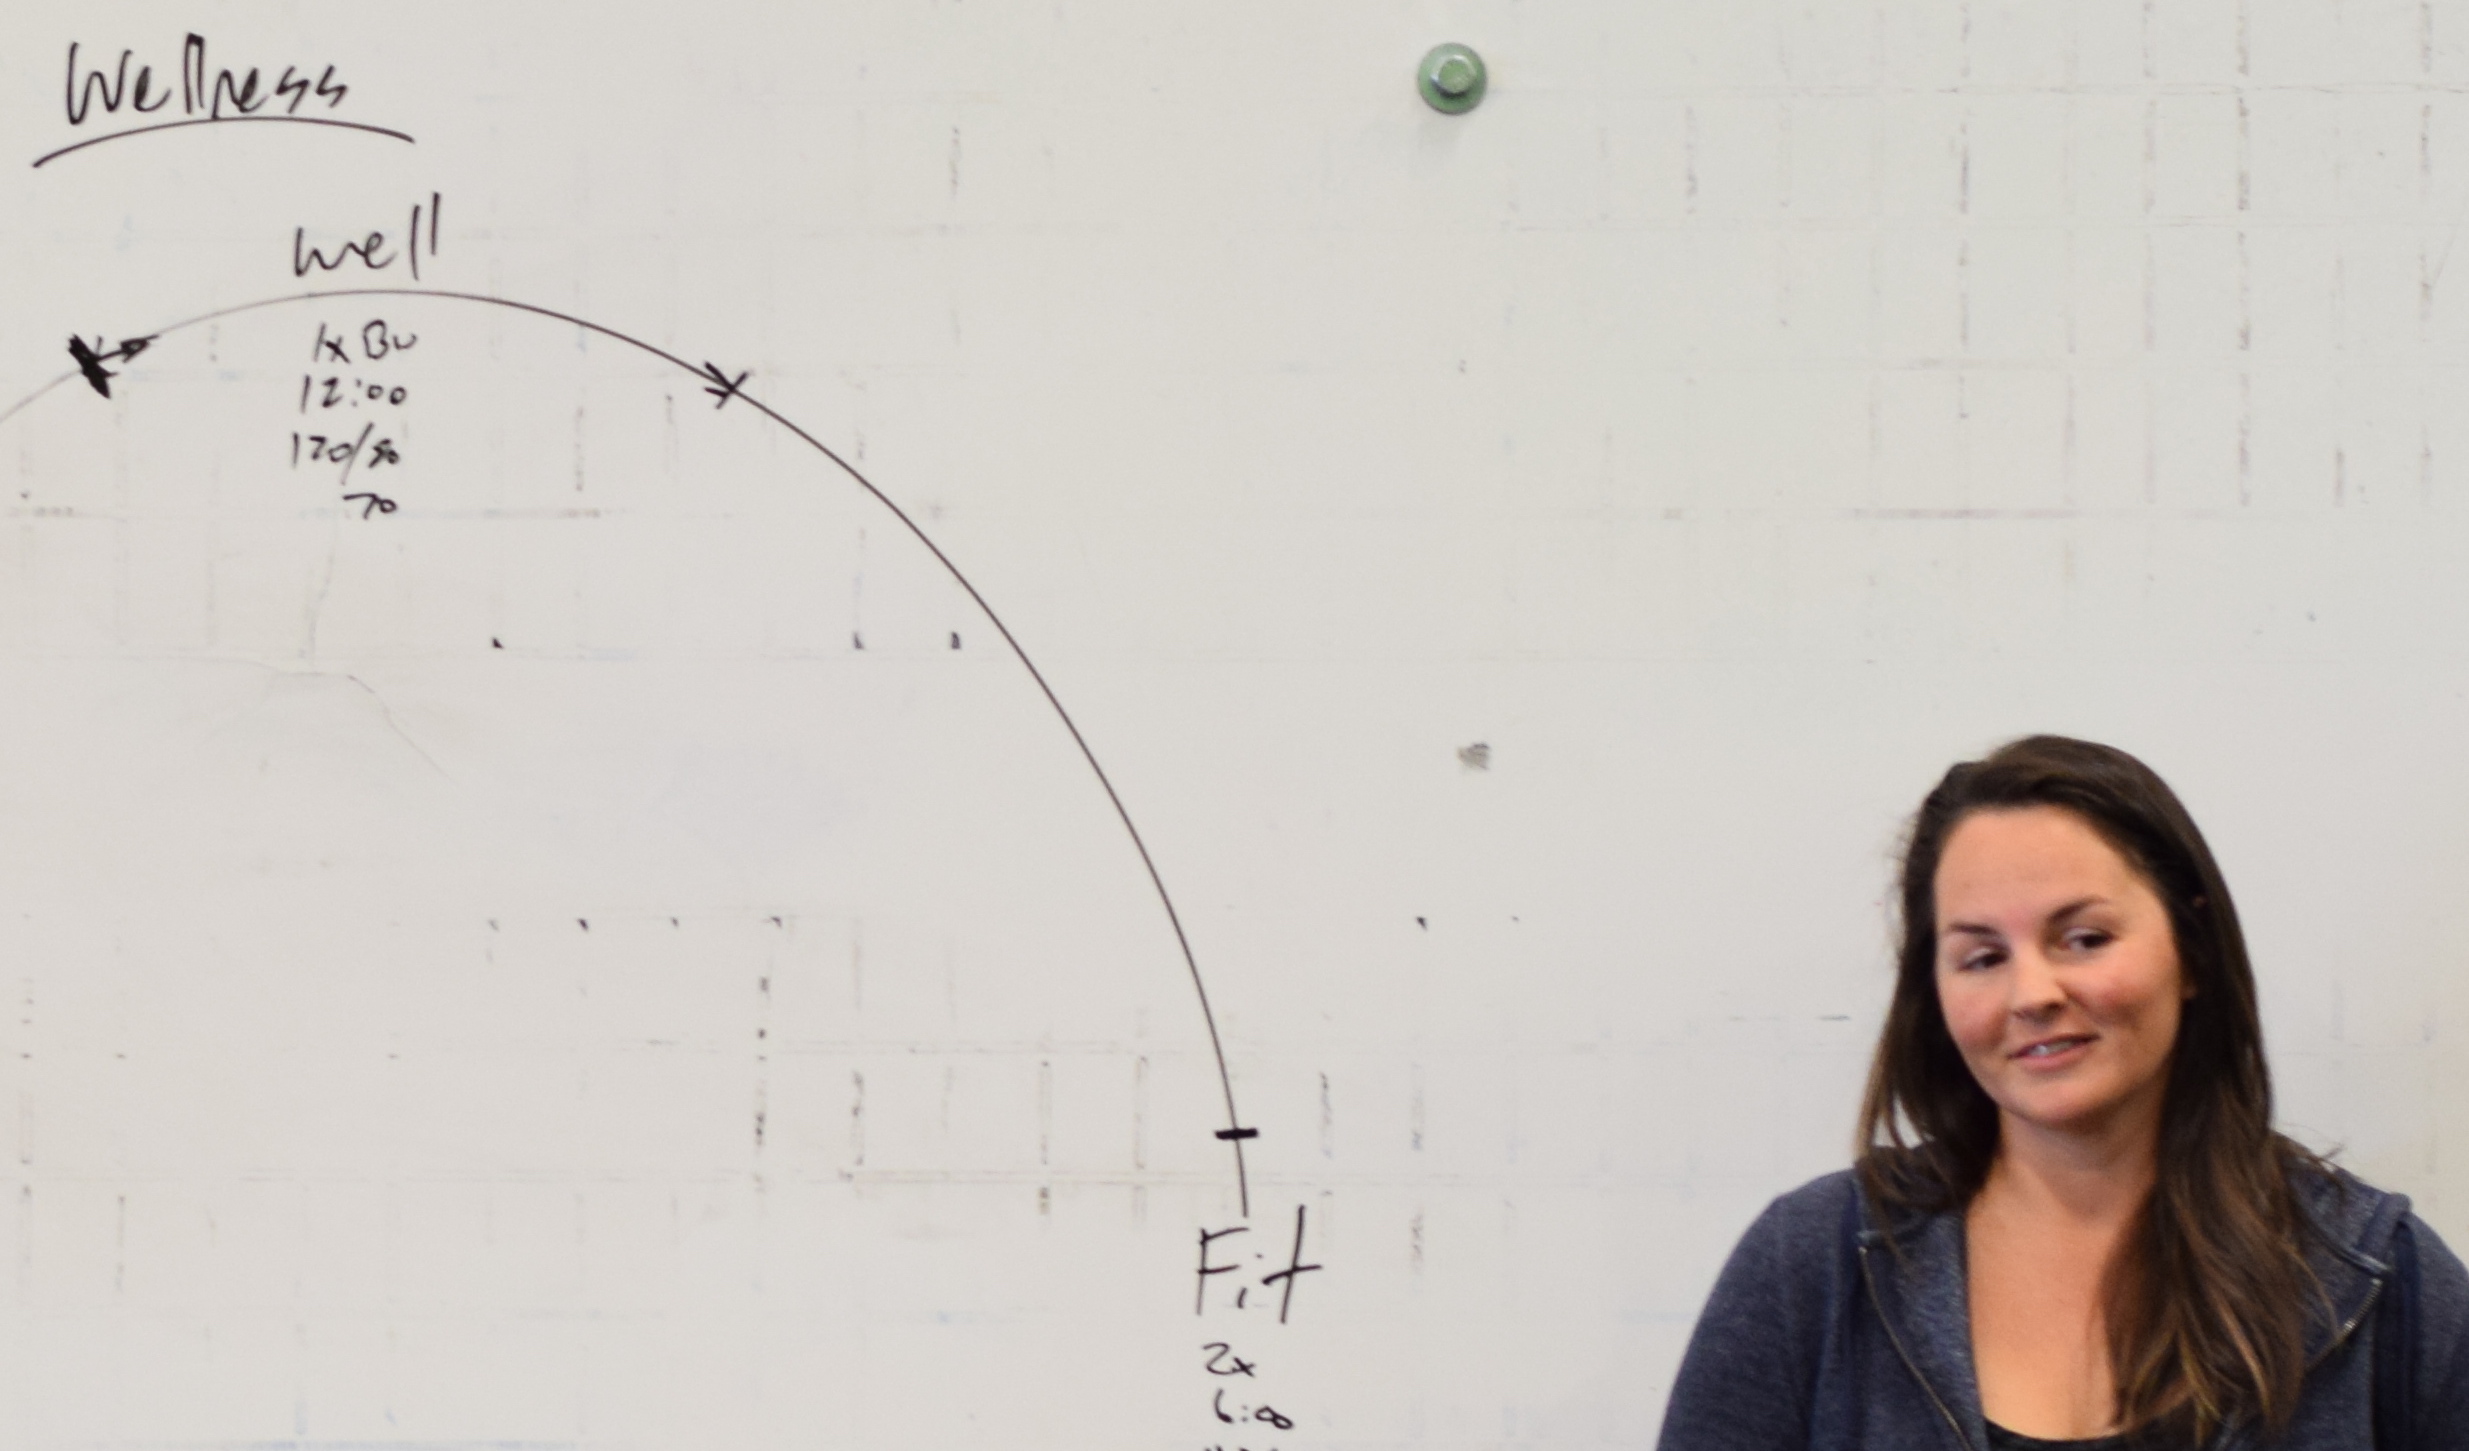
[[90, 367], [224, 121], [352, 462], [22, 404], [1235, 1132]]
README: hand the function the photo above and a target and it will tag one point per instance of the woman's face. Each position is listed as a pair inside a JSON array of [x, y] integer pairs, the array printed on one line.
[[2056, 969]]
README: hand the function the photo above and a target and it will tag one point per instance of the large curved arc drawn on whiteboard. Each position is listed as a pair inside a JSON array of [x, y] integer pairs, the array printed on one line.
[[1235, 1132]]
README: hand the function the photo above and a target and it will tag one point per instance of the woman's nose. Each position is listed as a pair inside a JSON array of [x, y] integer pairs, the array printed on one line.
[[2035, 985]]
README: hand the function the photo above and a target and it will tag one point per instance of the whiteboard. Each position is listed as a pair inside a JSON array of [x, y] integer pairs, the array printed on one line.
[[935, 724]]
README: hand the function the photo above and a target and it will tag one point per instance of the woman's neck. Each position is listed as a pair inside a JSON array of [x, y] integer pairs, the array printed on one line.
[[2098, 1177], [2040, 1240]]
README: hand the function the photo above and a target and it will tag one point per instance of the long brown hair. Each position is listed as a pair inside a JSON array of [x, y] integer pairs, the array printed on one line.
[[2207, 1299]]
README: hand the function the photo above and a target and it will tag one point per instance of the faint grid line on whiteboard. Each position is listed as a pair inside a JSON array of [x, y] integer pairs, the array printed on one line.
[[302, 1445]]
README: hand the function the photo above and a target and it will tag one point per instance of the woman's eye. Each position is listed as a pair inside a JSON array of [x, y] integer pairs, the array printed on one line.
[[1977, 960], [2087, 940]]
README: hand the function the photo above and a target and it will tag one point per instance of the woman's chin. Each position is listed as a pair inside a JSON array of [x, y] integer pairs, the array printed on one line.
[[2068, 1110]]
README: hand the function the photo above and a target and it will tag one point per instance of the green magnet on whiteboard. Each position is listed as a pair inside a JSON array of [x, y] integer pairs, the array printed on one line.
[[1451, 78]]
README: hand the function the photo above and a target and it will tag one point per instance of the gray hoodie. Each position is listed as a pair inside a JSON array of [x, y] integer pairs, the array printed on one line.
[[1819, 1335]]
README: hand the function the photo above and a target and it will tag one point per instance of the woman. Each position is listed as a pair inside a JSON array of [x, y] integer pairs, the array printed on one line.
[[2071, 1224]]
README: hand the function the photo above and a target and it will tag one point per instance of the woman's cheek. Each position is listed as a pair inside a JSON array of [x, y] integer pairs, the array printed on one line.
[[2118, 999], [1972, 1017]]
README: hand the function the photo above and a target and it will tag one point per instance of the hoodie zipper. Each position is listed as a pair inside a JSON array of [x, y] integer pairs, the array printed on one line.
[[2365, 1308], [2340, 1337], [1869, 1278]]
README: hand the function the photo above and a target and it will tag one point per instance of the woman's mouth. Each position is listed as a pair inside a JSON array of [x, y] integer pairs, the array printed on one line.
[[2049, 1052]]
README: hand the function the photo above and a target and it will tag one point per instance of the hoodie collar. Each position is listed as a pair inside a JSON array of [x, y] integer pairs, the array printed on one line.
[[1915, 1270], [2351, 1252]]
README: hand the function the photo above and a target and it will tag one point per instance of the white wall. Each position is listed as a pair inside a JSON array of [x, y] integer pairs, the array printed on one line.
[[1746, 411]]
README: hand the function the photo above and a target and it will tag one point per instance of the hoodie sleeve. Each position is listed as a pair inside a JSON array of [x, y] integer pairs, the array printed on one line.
[[1747, 1380], [2443, 1341]]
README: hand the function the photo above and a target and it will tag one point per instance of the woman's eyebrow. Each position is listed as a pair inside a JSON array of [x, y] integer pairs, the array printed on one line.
[[2071, 908], [1982, 929]]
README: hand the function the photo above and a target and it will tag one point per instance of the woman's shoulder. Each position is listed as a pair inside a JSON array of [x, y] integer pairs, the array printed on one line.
[[1890, 1189], [1822, 1212], [2354, 1219], [1821, 1221], [1810, 1243], [1826, 1195], [2370, 1234], [1789, 1275], [1751, 1374], [2417, 1287]]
